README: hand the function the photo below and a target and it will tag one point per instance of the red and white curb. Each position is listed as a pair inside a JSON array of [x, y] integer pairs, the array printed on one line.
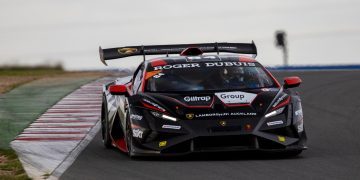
[[52, 142]]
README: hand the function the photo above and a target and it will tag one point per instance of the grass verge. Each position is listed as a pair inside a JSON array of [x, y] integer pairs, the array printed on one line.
[[12, 77], [10, 166]]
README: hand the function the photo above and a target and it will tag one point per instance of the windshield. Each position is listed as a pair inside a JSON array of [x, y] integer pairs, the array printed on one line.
[[202, 77]]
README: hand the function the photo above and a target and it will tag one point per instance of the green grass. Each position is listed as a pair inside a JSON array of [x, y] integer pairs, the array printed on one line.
[[30, 71], [11, 168]]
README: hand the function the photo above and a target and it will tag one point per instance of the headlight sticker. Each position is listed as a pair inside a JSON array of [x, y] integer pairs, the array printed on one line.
[[154, 105], [279, 100]]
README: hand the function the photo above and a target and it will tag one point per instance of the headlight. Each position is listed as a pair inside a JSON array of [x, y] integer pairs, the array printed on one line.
[[275, 112], [163, 116]]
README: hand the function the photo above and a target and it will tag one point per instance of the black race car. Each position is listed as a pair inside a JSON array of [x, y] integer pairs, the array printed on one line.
[[194, 102]]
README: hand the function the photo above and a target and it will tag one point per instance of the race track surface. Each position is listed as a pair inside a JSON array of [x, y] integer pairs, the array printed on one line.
[[331, 104]]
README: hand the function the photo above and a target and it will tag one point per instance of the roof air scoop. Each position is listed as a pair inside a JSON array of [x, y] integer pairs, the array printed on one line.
[[191, 51]]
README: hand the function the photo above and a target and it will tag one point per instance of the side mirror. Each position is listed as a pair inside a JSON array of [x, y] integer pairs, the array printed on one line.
[[118, 90], [290, 82]]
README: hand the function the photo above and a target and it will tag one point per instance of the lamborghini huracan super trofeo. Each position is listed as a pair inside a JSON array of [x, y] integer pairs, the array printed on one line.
[[196, 102]]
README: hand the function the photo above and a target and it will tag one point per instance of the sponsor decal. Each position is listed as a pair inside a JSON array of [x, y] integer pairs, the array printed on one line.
[[158, 75], [272, 123], [228, 64], [156, 114], [299, 112], [127, 50], [279, 100], [222, 123], [208, 64], [136, 117], [226, 114], [281, 138], [236, 97], [154, 104], [177, 66], [165, 126], [197, 98], [137, 133], [162, 143], [151, 74], [189, 116]]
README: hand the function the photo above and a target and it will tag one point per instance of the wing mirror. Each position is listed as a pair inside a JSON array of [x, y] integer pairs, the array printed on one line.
[[118, 90], [291, 82]]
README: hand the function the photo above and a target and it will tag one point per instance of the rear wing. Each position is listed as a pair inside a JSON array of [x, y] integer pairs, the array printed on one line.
[[127, 51]]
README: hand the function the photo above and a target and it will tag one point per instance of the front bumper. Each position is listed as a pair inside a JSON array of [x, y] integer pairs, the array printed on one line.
[[211, 136]]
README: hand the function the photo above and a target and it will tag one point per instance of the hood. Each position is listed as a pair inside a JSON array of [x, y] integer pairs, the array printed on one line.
[[212, 105]]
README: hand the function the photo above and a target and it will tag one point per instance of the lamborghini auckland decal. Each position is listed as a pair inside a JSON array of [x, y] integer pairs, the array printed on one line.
[[236, 97], [225, 114]]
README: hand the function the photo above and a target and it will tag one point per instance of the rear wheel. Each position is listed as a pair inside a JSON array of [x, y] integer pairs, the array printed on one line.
[[105, 126]]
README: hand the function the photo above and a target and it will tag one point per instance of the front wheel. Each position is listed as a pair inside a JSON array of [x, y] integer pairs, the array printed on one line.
[[105, 127], [129, 140]]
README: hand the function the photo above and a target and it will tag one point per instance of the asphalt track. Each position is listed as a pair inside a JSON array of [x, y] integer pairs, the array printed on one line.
[[331, 104]]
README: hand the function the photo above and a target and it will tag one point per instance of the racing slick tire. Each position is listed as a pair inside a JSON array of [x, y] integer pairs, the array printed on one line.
[[105, 127]]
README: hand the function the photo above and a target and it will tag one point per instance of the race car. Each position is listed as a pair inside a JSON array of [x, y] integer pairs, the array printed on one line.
[[207, 98]]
